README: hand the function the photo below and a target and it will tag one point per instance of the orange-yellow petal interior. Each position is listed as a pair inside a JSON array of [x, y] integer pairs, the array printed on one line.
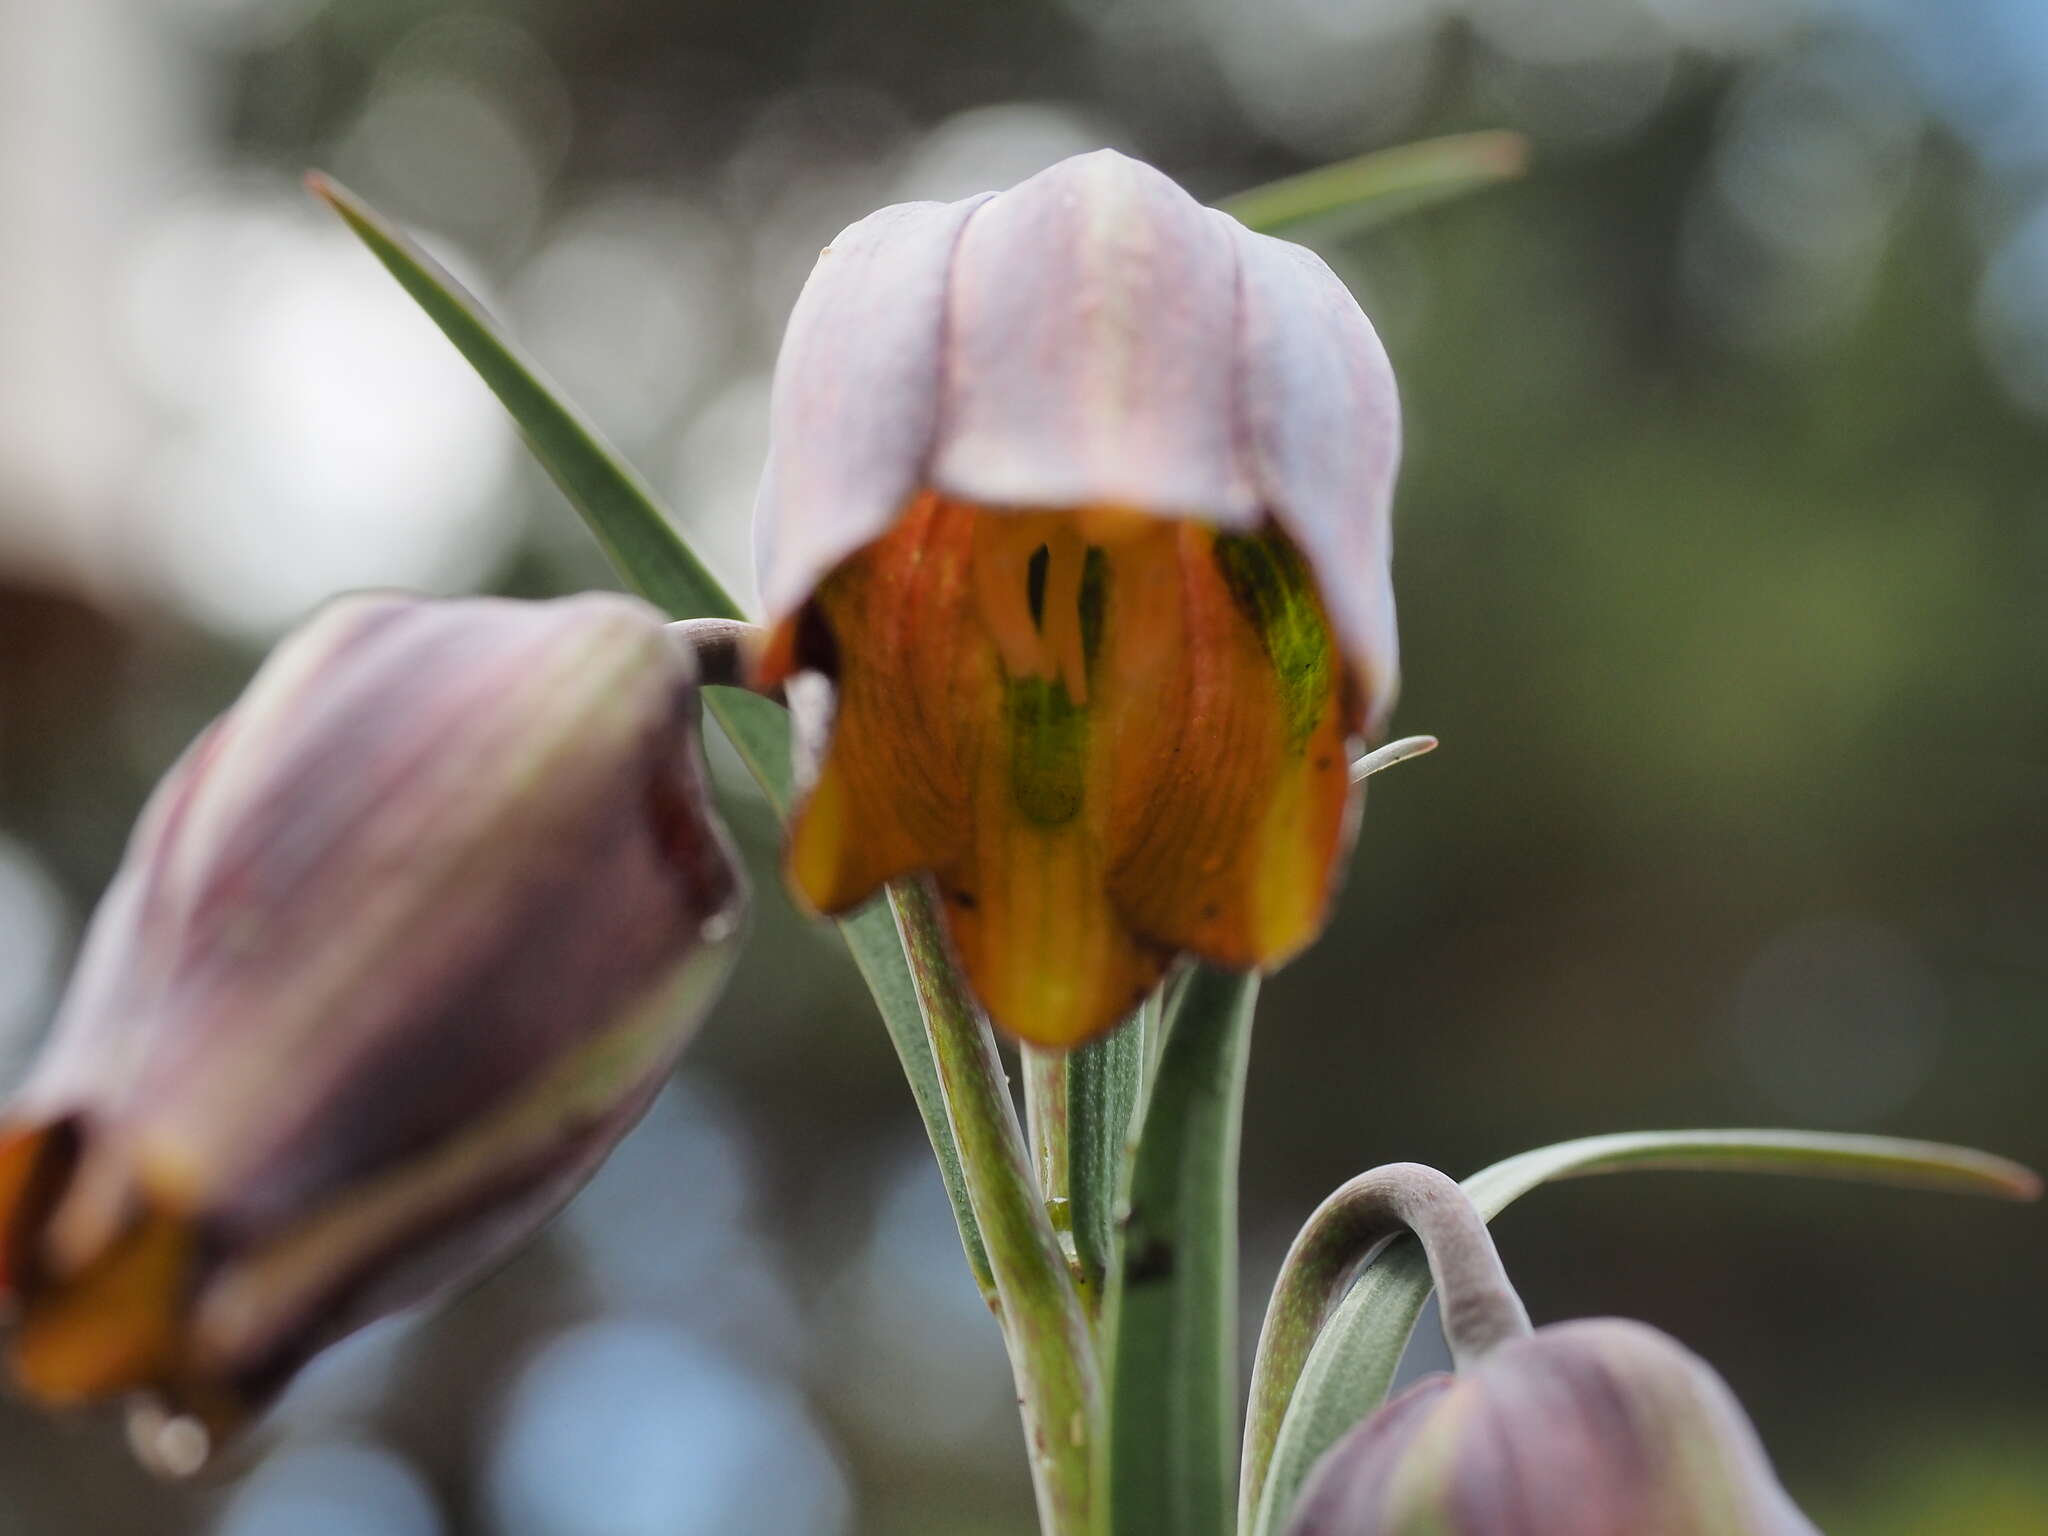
[[112, 1327], [1110, 737]]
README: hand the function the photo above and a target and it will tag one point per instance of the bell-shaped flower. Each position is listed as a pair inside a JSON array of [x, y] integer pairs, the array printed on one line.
[[397, 952], [1079, 495], [1600, 1427]]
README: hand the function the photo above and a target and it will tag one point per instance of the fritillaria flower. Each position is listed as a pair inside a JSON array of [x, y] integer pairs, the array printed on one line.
[[399, 949], [1600, 1427], [1078, 493]]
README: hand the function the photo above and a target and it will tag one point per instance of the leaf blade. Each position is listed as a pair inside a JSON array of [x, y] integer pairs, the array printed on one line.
[[1348, 196], [615, 502], [1104, 1082], [1172, 1323]]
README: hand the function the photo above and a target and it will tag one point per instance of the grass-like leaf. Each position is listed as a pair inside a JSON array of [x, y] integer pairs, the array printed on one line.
[[1335, 201], [1172, 1320], [1306, 1405], [1104, 1081], [653, 558]]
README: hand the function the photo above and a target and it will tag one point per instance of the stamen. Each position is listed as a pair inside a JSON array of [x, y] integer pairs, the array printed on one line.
[[1029, 578], [1065, 651], [1004, 549], [1393, 752]]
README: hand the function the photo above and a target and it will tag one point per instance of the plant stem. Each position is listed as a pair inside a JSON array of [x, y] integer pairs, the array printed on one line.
[[1480, 1308], [1045, 1122], [1052, 1354]]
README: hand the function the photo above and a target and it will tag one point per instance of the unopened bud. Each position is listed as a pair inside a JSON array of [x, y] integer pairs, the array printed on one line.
[[1599, 1427], [398, 951]]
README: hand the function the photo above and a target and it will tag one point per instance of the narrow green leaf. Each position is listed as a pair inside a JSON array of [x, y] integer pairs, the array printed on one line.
[[1104, 1079], [1173, 1320], [1351, 195], [642, 541], [1813, 1154], [1353, 1360], [624, 514]]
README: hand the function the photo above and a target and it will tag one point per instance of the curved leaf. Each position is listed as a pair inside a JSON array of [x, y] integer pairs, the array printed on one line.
[[1352, 1362]]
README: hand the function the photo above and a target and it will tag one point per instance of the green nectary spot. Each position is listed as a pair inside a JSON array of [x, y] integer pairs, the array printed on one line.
[[1048, 749], [1271, 585]]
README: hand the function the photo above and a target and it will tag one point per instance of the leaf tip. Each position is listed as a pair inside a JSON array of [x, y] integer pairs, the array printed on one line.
[[1506, 154], [353, 210], [326, 188], [2018, 1182]]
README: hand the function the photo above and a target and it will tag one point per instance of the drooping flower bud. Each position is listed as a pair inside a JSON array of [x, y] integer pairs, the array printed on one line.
[[398, 950], [1599, 1427], [1079, 493]]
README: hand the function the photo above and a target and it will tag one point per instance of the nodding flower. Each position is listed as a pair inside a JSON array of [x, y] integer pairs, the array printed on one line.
[[398, 951], [1078, 494]]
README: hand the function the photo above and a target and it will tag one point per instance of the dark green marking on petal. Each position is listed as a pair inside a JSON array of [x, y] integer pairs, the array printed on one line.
[[1048, 749], [1271, 585]]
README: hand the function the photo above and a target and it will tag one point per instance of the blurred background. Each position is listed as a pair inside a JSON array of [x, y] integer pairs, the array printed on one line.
[[1722, 552]]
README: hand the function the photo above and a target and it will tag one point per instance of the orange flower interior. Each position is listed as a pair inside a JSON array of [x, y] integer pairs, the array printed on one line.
[[1110, 737], [111, 1326]]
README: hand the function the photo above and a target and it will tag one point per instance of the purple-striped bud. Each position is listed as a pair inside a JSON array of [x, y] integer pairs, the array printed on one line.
[[398, 951], [1599, 1427]]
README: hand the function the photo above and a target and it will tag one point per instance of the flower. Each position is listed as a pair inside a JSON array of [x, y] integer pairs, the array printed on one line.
[[1600, 1427], [1079, 494], [398, 951]]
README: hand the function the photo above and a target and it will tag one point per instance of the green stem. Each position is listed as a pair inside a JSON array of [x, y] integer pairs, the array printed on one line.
[[1044, 1324], [1173, 1311], [1045, 1122]]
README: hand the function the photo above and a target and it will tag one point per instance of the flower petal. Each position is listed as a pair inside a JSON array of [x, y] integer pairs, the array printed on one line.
[[1090, 354], [1323, 421], [1109, 737], [1230, 822], [856, 397]]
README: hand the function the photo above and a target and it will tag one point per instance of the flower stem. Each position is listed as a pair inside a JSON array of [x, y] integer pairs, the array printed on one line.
[[1480, 1307], [1045, 1121], [1045, 1326]]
